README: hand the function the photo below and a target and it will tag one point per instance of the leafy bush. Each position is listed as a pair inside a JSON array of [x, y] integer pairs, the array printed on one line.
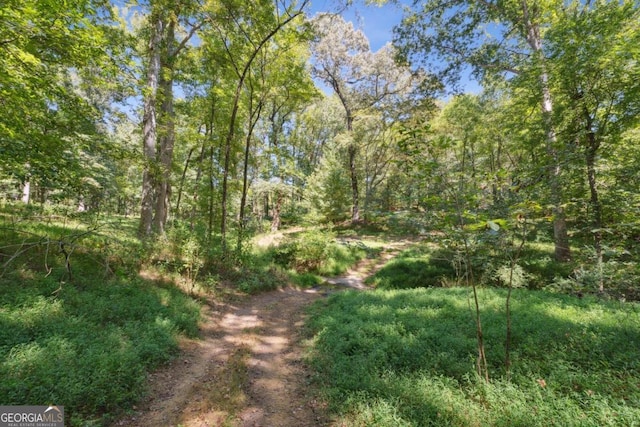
[[620, 280], [317, 251], [311, 249], [88, 349], [255, 280]]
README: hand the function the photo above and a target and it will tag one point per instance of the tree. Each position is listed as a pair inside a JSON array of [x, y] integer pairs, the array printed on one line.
[[313, 136], [158, 125], [360, 79], [326, 188], [290, 88], [257, 31], [314, 129], [593, 53]]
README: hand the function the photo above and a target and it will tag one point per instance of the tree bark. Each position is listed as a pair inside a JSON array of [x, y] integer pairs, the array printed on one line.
[[211, 195], [167, 132], [253, 120], [355, 194], [196, 186], [26, 191], [591, 150], [275, 221], [352, 153], [554, 168], [183, 177], [149, 129], [225, 170], [156, 180]]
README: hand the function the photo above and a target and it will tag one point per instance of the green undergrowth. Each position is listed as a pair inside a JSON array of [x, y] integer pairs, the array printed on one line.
[[87, 347], [407, 358], [310, 255], [78, 326], [427, 264], [416, 267]]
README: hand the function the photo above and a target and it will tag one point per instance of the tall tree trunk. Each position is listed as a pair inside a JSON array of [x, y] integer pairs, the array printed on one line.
[[196, 185], [591, 150], [182, 179], [355, 194], [167, 131], [554, 169], [208, 137], [211, 195], [156, 180], [277, 208], [353, 170], [26, 191], [225, 172], [253, 120], [560, 235], [352, 152], [149, 129]]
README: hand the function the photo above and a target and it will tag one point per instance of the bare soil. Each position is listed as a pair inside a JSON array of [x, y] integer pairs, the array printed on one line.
[[247, 368]]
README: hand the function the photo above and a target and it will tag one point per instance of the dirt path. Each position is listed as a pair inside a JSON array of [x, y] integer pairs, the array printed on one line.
[[354, 278], [246, 370]]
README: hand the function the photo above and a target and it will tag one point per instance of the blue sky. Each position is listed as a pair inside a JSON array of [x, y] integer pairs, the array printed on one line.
[[376, 22]]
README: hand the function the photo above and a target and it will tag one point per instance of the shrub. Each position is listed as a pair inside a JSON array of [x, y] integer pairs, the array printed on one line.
[[87, 349], [255, 280], [317, 251], [311, 249]]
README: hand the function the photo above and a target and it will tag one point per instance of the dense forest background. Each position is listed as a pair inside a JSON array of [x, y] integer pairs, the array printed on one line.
[[206, 119], [214, 121]]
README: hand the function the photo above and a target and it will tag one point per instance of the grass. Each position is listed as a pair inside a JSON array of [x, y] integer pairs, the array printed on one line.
[[84, 337], [407, 358], [84, 334]]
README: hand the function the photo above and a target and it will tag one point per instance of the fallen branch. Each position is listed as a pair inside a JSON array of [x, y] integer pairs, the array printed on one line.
[[66, 244]]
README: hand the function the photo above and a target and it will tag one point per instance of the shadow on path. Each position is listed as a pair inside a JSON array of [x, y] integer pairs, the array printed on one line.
[[247, 367]]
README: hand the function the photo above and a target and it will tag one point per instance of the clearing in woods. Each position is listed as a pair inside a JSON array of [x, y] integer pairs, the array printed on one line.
[[247, 367]]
